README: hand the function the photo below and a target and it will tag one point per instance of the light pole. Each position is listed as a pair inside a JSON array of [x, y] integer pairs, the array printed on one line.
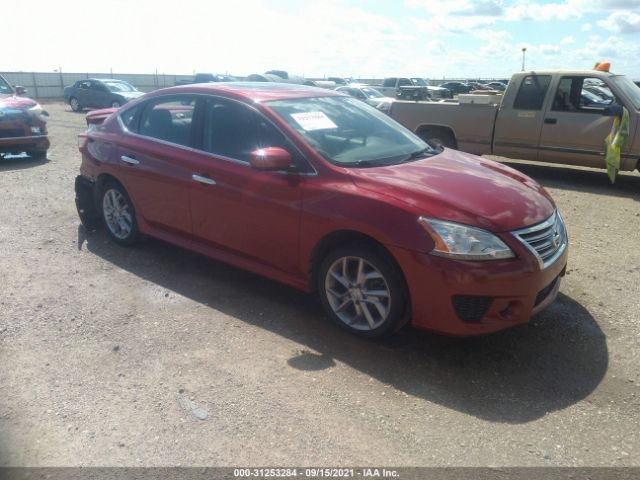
[[524, 49]]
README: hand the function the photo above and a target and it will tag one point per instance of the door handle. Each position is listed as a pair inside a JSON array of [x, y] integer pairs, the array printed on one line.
[[203, 179], [129, 160], [551, 121]]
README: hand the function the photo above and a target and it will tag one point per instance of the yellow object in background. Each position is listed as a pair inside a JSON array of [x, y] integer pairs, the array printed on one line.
[[616, 141]]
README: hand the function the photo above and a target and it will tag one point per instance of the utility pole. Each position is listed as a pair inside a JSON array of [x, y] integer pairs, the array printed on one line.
[[524, 50]]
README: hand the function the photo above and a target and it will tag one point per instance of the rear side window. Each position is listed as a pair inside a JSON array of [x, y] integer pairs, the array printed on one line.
[[532, 92], [169, 120], [233, 130], [389, 82], [404, 82]]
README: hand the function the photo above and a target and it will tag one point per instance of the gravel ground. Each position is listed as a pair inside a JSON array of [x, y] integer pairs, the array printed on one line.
[[157, 356]]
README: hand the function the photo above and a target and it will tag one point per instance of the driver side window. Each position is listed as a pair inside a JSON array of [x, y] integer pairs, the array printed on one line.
[[583, 95], [234, 131]]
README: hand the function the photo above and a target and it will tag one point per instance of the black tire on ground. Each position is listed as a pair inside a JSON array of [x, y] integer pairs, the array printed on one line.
[[116, 104], [74, 103], [37, 154], [86, 206], [123, 227], [438, 138], [376, 257]]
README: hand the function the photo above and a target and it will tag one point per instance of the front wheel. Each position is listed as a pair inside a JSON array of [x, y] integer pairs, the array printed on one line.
[[362, 291], [118, 214]]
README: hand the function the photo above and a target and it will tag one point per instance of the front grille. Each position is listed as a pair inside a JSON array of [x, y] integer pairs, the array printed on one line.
[[11, 132], [546, 240], [471, 308]]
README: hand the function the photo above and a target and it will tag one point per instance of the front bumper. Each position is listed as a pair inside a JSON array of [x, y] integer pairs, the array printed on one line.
[[24, 143], [476, 298]]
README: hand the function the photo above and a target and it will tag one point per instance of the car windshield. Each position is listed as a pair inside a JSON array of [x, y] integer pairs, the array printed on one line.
[[120, 87], [419, 82], [630, 89], [350, 133], [4, 86], [372, 93]]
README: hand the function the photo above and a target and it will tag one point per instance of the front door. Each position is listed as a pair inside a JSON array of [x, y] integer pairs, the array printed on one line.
[[250, 213], [574, 128]]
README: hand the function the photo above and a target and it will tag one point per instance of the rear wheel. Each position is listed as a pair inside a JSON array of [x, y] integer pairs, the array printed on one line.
[[118, 214], [75, 104], [362, 291], [438, 138]]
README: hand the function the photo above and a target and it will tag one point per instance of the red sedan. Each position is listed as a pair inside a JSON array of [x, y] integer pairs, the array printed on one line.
[[23, 123], [325, 193]]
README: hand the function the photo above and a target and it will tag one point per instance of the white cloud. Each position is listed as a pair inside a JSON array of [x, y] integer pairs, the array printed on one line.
[[622, 22], [586, 27], [567, 40]]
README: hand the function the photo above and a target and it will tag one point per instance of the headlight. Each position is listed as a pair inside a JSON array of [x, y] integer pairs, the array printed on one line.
[[462, 242]]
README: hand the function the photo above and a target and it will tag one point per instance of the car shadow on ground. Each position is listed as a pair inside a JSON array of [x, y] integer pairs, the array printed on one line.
[[20, 162], [514, 376], [581, 180]]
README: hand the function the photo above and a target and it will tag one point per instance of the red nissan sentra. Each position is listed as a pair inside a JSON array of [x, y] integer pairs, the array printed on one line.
[[325, 193]]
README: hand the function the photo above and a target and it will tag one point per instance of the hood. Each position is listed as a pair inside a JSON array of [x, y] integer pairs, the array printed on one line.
[[21, 103], [462, 188]]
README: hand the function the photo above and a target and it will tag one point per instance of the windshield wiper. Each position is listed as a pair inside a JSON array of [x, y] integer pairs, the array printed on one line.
[[424, 153]]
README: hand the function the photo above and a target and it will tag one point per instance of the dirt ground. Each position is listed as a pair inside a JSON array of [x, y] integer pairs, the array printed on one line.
[[157, 356]]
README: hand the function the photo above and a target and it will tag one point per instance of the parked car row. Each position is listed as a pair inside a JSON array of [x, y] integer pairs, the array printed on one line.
[[338, 197]]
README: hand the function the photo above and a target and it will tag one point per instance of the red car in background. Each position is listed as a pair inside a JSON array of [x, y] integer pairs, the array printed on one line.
[[325, 193], [23, 123]]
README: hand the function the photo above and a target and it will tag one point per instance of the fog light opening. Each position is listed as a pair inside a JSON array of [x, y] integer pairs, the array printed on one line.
[[505, 309]]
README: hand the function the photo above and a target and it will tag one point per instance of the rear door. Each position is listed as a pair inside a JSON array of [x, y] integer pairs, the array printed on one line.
[[574, 128], [519, 121], [155, 160]]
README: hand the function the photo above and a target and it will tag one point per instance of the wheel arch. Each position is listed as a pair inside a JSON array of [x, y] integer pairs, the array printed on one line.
[[342, 238], [423, 128]]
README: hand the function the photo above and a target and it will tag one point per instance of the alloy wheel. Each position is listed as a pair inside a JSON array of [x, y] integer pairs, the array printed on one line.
[[117, 214], [358, 293]]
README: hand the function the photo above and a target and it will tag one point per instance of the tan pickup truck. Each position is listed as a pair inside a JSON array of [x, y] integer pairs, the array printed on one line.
[[549, 116]]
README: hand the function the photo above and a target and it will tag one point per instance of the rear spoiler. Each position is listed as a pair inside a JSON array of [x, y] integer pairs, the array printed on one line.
[[96, 117]]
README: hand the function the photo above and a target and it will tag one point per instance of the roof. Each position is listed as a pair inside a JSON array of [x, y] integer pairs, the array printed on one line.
[[594, 73], [254, 91]]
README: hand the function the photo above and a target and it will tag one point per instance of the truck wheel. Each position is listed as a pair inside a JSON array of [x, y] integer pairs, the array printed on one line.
[[438, 138]]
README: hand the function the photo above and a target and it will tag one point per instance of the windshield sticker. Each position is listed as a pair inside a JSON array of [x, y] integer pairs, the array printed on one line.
[[313, 121]]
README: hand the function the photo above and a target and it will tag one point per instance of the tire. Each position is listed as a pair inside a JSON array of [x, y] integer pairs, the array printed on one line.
[[118, 214], [86, 206], [37, 154], [438, 138], [116, 104], [75, 104], [350, 303]]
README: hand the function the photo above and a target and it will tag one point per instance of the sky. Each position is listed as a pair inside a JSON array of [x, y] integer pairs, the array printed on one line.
[[364, 39]]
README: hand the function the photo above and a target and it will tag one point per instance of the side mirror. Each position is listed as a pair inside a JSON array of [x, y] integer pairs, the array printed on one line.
[[612, 111], [270, 158], [20, 90]]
